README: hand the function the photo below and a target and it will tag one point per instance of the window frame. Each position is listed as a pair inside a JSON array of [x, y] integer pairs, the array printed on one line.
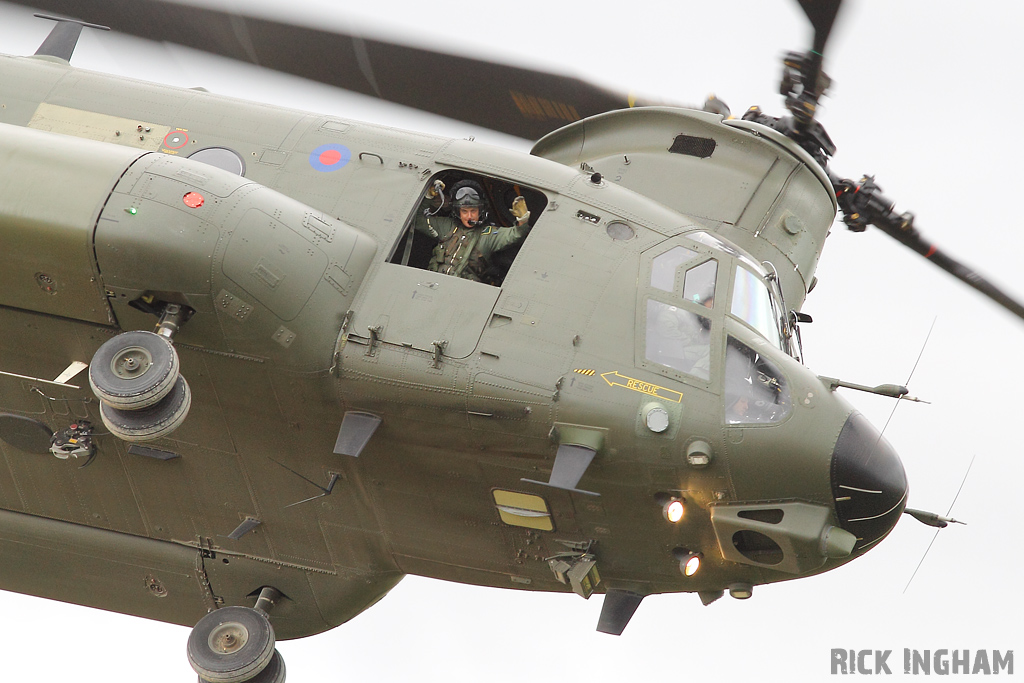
[[538, 202], [648, 292]]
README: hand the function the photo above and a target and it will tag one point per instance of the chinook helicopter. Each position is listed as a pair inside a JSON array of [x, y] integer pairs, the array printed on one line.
[[97, 462]]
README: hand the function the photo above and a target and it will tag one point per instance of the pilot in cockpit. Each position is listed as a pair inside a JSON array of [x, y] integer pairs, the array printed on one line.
[[466, 238], [680, 338]]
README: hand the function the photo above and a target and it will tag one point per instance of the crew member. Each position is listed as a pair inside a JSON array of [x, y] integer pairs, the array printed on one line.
[[466, 239]]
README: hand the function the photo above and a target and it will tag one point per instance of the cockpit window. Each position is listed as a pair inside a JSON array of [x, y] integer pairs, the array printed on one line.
[[699, 284], [719, 243], [469, 226], [752, 304], [755, 389], [678, 339], [665, 266], [679, 313]]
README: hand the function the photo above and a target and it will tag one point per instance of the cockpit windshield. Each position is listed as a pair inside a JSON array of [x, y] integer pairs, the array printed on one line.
[[719, 243], [752, 303]]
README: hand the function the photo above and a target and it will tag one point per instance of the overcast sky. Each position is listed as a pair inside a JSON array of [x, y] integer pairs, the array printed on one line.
[[925, 97]]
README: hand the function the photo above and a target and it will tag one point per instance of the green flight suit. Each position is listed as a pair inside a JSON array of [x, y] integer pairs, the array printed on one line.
[[462, 251]]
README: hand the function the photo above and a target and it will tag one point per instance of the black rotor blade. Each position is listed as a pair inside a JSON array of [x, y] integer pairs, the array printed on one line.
[[863, 204], [804, 82], [822, 15], [518, 101], [960, 271]]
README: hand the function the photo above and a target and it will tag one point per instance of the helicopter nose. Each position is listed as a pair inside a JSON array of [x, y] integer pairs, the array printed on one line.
[[868, 483]]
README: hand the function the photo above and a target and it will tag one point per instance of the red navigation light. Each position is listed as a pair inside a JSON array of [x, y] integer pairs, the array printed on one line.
[[193, 200]]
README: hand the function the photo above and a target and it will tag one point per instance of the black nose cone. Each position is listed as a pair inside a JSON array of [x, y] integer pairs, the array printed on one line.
[[868, 483]]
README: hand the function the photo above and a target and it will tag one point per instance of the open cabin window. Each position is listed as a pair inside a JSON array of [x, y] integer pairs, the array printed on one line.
[[436, 238]]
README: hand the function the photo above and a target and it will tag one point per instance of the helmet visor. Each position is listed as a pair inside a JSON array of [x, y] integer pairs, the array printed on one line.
[[467, 196]]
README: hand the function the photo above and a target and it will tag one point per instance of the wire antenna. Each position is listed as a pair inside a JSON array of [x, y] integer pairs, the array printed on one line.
[[911, 375], [936, 534]]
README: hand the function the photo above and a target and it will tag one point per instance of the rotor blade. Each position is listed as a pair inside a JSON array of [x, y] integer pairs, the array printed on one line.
[[913, 239], [804, 82], [822, 15], [863, 204], [509, 99]]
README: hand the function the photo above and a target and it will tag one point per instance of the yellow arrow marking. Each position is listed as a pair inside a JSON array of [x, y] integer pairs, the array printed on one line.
[[614, 379]]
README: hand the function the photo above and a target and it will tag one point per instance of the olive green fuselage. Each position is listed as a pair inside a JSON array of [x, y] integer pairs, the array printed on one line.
[[303, 312]]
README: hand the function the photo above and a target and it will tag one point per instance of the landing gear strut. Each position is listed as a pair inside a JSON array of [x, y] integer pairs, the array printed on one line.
[[236, 645]]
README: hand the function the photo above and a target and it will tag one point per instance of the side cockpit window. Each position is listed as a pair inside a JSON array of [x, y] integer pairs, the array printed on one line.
[[755, 389], [699, 284], [678, 339], [678, 322], [665, 267], [469, 226]]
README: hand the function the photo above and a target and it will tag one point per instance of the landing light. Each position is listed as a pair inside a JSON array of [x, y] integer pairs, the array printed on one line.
[[689, 560], [674, 510]]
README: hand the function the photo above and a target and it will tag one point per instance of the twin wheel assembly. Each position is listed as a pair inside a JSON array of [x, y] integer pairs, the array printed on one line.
[[136, 375]]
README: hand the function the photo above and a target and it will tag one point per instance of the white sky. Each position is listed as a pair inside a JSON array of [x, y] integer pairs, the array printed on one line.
[[924, 97]]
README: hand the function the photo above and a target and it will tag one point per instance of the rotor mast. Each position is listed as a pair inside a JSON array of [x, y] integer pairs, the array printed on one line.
[[861, 202]]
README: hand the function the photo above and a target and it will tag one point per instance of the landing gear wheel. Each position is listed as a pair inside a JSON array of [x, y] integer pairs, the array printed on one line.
[[274, 673], [153, 422], [134, 370], [233, 645]]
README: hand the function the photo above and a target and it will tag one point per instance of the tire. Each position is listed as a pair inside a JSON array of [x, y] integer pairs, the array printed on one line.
[[153, 422], [273, 673], [233, 645], [134, 370]]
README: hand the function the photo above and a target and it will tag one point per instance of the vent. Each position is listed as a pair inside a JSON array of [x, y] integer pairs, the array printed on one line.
[[692, 146], [772, 516]]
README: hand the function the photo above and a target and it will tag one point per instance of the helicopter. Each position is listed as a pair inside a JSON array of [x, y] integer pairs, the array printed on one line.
[[645, 604]]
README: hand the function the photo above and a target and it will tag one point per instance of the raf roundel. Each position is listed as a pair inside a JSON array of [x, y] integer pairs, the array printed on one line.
[[329, 157]]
